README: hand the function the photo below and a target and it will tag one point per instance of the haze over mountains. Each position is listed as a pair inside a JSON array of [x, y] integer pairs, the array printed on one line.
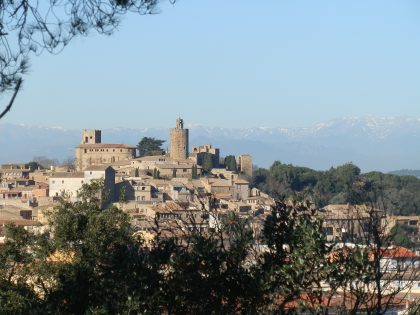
[[383, 144]]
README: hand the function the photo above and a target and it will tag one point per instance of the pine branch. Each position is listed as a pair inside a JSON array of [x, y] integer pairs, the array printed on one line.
[[9, 106]]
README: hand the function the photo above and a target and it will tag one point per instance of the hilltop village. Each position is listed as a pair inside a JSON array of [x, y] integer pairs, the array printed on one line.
[[173, 194], [166, 187], [174, 187]]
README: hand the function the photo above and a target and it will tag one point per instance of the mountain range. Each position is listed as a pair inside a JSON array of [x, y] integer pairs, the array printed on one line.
[[372, 143]]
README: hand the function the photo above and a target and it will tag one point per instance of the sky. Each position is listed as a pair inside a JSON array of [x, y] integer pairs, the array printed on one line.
[[236, 63]]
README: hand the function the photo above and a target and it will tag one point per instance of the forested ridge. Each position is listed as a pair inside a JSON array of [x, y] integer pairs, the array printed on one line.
[[340, 185]]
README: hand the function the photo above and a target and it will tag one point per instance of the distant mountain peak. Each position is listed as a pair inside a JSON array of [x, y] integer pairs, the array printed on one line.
[[372, 143]]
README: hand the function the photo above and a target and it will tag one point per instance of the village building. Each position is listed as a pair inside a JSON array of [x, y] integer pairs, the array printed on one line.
[[92, 152], [14, 171], [68, 184], [245, 164], [348, 222], [198, 153]]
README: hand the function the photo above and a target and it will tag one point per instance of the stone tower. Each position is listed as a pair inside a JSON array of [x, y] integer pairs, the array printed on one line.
[[245, 164], [179, 141], [91, 136]]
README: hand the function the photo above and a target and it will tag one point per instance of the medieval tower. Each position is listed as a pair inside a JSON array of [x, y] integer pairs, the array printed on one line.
[[91, 136], [179, 141], [245, 164]]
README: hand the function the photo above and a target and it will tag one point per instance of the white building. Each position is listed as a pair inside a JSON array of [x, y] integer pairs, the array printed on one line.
[[68, 184]]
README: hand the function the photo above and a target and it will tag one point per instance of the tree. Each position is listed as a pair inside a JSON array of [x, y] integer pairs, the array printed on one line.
[[28, 27], [230, 163], [44, 161], [69, 162], [90, 262], [207, 162], [401, 235], [341, 185], [150, 146], [194, 173], [33, 166]]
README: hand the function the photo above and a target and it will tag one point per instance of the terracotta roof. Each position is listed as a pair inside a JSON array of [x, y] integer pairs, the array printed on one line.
[[97, 168], [220, 183], [68, 175], [169, 206], [14, 170], [105, 146], [151, 158], [398, 252]]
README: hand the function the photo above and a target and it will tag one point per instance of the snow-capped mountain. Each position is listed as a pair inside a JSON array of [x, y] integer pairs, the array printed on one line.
[[371, 143]]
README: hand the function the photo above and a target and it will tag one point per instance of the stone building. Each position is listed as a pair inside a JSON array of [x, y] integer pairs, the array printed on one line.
[[179, 141], [197, 154], [92, 152], [14, 171], [69, 183], [245, 164]]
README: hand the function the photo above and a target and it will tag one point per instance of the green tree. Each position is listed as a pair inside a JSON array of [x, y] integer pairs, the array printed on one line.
[[16, 294], [194, 173], [33, 166], [401, 235], [150, 146], [207, 162], [89, 262], [230, 163]]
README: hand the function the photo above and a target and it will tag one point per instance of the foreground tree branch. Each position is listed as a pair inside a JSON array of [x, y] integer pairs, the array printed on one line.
[[31, 26], [12, 100]]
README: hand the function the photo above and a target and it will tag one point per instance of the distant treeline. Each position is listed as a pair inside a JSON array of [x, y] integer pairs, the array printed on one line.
[[341, 185], [406, 172]]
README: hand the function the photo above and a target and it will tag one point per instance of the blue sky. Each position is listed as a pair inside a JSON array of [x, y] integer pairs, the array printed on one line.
[[233, 63]]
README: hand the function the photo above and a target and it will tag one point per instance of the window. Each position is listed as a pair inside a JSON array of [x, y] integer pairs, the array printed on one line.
[[53, 181], [143, 188], [62, 181]]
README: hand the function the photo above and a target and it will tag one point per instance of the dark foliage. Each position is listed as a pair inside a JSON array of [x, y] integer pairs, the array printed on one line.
[[341, 185]]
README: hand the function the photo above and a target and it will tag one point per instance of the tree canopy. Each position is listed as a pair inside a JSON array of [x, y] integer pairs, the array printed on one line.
[[340, 185], [230, 163], [150, 146], [92, 262]]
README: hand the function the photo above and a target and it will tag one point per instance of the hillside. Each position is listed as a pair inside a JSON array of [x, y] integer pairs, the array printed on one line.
[[341, 185], [406, 172]]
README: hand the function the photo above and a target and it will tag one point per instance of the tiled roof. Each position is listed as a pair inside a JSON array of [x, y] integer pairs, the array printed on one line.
[[97, 168], [105, 146], [68, 175], [398, 252]]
